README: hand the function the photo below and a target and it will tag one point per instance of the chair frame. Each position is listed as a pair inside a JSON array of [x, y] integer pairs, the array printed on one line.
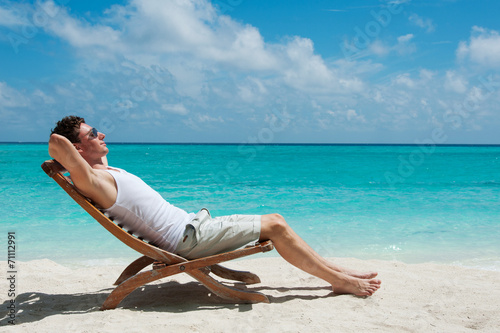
[[164, 263]]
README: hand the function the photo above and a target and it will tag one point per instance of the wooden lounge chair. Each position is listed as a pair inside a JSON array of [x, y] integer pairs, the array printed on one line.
[[164, 263]]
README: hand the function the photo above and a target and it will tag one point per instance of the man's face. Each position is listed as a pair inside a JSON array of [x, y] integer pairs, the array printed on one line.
[[91, 142]]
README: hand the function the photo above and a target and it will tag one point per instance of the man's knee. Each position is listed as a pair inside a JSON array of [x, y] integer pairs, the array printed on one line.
[[276, 220], [273, 224]]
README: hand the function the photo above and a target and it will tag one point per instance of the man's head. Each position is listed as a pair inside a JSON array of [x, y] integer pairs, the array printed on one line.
[[86, 139], [69, 127]]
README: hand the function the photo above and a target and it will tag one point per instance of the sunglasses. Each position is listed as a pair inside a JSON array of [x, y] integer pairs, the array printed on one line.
[[93, 133]]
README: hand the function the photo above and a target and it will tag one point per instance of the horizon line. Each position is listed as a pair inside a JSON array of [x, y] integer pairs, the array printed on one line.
[[275, 144]]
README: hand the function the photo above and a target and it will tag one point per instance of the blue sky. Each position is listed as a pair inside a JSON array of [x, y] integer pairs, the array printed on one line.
[[252, 71]]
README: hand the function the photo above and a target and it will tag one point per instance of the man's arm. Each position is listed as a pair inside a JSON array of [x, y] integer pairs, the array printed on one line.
[[63, 151], [99, 186]]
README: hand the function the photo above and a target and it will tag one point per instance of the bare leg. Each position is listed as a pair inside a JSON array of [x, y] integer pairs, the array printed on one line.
[[351, 272], [294, 250]]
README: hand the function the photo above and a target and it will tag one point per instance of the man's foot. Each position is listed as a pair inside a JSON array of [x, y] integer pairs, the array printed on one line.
[[360, 275], [351, 272], [356, 286]]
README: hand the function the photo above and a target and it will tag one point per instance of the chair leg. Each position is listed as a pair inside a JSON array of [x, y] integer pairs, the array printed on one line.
[[230, 274], [228, 293], [134, 282], [140, 279], [134, 268]]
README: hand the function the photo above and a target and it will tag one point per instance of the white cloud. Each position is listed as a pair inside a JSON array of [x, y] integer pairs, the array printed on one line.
[[306, 71], [252, 90], [426, 75], [43, 97], [378, 97], [197, 45], [79, 33], [179, 109], [352, 115], [11, 98], [397, 2], [483, 48], [424, 23], [203, 118], [404, 45], [192, 40], [455, 82], [405, 38], [201, 121], [341, 117], [378, 48], [404, 79], [11, 18], [248, 51], [149, 28]]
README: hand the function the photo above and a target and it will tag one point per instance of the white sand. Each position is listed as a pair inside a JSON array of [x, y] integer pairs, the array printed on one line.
[[413, 298]]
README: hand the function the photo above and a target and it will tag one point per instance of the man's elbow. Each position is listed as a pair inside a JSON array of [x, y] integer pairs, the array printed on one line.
[[56, 143], [53, 145]]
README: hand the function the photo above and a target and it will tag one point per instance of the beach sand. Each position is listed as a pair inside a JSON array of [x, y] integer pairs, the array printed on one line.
[[413, 298]]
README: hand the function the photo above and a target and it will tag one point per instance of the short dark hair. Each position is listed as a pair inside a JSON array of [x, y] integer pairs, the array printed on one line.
[[69, 127]]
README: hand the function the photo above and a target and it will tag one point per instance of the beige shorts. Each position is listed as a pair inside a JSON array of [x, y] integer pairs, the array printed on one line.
[[205, 236]]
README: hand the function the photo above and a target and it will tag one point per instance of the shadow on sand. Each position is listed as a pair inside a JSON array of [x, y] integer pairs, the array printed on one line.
[[170, 297]]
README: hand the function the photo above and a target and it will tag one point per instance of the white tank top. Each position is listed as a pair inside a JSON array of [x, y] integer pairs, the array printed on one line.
[[143, 211]]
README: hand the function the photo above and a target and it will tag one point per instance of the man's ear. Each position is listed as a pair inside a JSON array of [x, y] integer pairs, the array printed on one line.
[[78, 147]]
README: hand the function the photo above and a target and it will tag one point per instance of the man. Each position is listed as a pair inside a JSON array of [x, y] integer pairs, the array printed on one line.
[[82, 151]]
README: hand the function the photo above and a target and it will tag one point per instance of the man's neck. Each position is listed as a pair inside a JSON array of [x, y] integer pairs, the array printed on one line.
[[100, 163]]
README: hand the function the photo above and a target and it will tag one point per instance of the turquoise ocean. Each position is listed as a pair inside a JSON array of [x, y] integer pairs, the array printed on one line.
[[407, 203]]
